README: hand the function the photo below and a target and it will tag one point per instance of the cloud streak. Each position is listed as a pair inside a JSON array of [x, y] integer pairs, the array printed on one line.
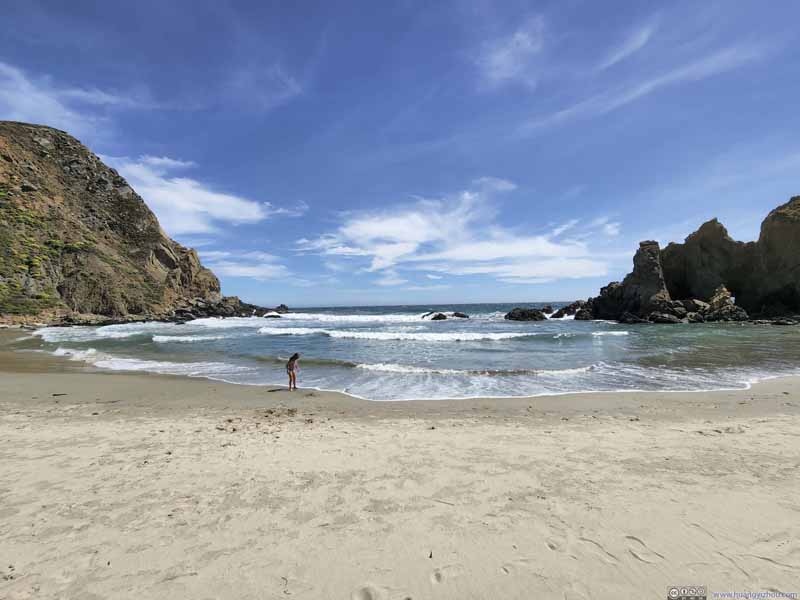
[[188, 206], [80, 111], [716, 63], [260, 266], [509, 59], [637, 40], [456, 235]]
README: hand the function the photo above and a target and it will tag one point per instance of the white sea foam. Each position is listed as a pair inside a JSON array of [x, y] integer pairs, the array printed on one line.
[[164, 339], [394, 368], [602, 333], [169, 368], [396, 335], [230, 322], [88, 355], [117, 363], [107, 332], [291, 331], [409, 369], [564, 318], [566, 372]]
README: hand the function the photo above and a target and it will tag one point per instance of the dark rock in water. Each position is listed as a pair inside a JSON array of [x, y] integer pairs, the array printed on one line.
[[272, 316], [631, 319], [583, 314], [460, 315], [281, 308], [722, 308], [695, 317], [439, 317], [657, 317], [526, 314], [570, 309], [784, 322], [547, 309]]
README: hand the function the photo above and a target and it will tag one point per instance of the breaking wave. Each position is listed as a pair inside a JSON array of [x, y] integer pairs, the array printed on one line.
[[399, 335]]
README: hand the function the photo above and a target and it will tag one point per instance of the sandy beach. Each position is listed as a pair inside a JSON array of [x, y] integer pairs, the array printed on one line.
[[145, 486]]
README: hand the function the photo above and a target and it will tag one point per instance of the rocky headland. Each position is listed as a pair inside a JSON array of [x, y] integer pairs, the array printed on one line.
[[79, 245], [710, 277]]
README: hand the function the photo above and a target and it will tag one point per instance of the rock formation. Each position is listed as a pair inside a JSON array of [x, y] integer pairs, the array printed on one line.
[[711, 277], [763, 276], [641, 293], [525, 314], [75, 238], [570, 309]]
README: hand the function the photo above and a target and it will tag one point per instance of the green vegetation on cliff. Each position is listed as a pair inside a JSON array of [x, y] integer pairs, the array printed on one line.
[[75, 236]]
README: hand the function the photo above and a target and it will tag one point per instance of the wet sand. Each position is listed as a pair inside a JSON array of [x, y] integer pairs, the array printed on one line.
[[143, 486]]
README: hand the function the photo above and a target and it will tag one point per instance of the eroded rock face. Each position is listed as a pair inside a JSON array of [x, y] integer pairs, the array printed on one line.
[[779, 254], [763, 276], [74, 236], [711, 277], [642, 292]]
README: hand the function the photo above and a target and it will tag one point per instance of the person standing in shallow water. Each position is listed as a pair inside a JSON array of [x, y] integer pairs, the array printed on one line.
[[292, 369]]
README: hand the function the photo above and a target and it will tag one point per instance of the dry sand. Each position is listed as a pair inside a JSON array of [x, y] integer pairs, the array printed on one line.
[[138, 486]]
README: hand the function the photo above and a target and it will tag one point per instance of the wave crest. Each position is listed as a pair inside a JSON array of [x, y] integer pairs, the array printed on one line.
[[397, 335]]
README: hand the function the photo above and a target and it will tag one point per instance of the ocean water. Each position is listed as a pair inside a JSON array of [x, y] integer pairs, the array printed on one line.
[[393, 353]]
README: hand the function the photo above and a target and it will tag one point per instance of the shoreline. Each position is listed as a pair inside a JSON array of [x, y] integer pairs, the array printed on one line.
[[16, 362], [119, 485], [7, 337]]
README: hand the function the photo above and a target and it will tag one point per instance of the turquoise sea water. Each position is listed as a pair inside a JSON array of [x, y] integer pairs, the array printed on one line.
[[393, 353]]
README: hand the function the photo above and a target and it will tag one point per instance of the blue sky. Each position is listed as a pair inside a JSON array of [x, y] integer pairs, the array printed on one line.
[[339, 153]]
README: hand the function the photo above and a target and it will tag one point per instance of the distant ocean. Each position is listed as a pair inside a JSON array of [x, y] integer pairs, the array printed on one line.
[[393, 353]]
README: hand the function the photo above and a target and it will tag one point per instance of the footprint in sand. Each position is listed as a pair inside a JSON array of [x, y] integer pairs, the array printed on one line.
[[368, 592], [447, 572], [599, 550], [639, 550]]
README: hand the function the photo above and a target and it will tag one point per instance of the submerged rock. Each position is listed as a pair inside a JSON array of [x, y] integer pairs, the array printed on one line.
[[631, 319], [460, 315], [658, 317]]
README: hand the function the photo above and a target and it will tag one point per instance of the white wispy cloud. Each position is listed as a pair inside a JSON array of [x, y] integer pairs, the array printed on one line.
[[632, 44], [456, 235], [495, 183], [188, 206], [80, 111], [606, 225], [716, 63], [391, 278], [263, 88], [564, 227], [257, 265], [509, 58]]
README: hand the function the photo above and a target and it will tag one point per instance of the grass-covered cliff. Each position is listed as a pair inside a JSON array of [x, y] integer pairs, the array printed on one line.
[[74, 236]]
